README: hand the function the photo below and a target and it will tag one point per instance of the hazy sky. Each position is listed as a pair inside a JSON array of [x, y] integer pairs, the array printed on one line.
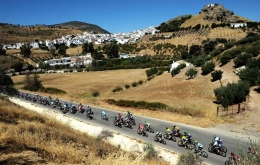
[[114, 15]]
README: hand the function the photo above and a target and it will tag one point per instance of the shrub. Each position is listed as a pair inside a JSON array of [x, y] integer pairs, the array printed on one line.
[[191, 73], [151, 71], [225, 58], [134, 84], [178, 69], [150, 151], [95, 94], [117, 89], [127, 86], [52, 90], [140, 82], [216, 75], [207, 68], [189, 158], [138, 104]]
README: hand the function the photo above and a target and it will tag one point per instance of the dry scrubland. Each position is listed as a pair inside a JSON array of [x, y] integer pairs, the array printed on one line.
[[30, 138], [190, 100]]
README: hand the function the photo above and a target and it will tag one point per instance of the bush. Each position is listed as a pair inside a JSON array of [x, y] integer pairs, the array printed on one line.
[[117, 89], [189, 158], [225, 58], [191, 73], [150, 151], [95, 94], [134, 84], [178, 69], [151, 71], [138, 104], [207, 68], [127, 86], [216, 75], [52, 90], [140, 82]]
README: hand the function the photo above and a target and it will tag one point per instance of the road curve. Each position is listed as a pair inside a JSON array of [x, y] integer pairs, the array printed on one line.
[[203, 135]]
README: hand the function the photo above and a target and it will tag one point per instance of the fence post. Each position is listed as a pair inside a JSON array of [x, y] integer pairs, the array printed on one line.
[[238, 111], [217, 111]]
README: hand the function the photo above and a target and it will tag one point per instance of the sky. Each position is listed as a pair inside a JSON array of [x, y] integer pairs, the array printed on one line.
[[114, 15]]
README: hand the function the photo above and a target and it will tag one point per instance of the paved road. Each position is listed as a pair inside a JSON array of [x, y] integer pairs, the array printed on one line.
[[203, 135]]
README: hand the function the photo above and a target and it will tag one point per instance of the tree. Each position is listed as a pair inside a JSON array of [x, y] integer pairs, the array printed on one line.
[[18, 67], [184, 54], [26, 50], [217, 75], [194, 49], [32, 82], [198, 62], [191, 73], [88, 48], [6, 82], [232, 93], [30, 67], [251, 75], [53, 50], [62, 49], [112, 50], [207, 68], [242, 59], [2, 50], [225, 58]]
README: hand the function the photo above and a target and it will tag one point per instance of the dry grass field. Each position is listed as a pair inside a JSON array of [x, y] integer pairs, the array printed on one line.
[[193, 96], [27, 137]]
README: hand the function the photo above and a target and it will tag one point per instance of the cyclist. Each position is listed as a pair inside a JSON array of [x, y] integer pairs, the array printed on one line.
[[235, 157], [199, 146], [141, 127], [120, 117], [158, 135], [168, 132], [176, 130], [184, 140], [103, 113], [146, 124], [219, 140]]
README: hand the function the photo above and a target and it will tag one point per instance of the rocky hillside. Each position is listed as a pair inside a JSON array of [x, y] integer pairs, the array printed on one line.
[[81, 26]]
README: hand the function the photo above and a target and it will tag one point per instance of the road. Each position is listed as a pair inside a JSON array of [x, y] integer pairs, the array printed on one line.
[[203, 135]]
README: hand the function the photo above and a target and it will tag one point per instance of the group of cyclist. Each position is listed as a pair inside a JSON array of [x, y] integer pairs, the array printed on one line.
[[175, 131]]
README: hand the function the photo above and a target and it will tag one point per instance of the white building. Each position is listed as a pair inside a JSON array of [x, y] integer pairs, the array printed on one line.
[[62, 61], [238, 25]]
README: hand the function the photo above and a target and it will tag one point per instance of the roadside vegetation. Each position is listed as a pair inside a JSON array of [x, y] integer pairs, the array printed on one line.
[[32, 138]]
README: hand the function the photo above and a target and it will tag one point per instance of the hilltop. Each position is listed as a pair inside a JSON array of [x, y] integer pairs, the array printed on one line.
[[81, 26]]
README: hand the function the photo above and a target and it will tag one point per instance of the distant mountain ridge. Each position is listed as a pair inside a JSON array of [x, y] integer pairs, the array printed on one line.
[[81, 26]]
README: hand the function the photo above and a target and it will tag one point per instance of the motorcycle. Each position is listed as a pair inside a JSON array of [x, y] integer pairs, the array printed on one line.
[[223, 149], [142, 132], [169, 137], [211, 149], [158, 139]]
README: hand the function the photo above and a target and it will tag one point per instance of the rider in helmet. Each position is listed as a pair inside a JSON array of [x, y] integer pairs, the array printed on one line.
[[120, 117], [199, 146], [176, 130], [141, 127], [158, 135], [235, 157], [103, 113], [168, 132], [146, 124]]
